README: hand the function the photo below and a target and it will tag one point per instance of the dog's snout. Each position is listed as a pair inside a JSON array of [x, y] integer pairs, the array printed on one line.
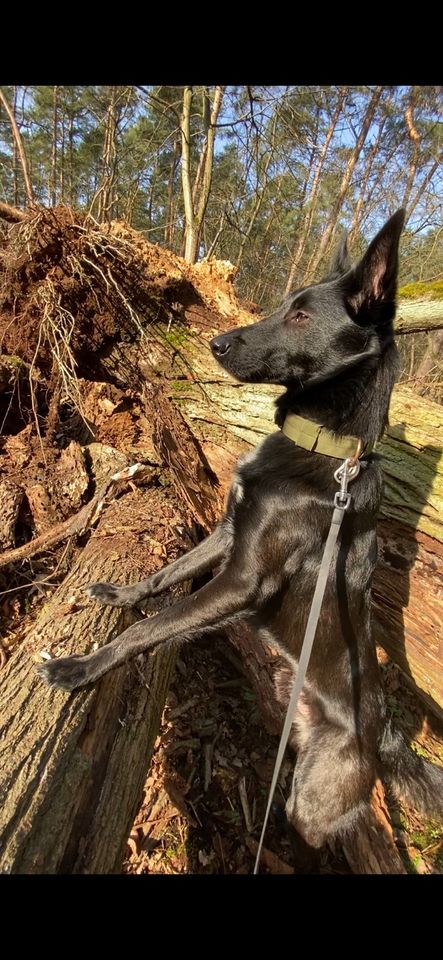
[[220, 346]]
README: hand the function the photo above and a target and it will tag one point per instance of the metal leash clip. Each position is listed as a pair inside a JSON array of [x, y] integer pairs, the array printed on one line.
[[348, 471]]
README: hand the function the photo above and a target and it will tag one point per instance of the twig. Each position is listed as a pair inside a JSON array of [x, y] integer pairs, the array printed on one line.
[[208, 767], [245, 804], [182, 708], [271, 860]]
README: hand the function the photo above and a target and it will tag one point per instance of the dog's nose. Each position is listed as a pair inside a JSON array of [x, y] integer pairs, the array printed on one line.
[[220, 346]]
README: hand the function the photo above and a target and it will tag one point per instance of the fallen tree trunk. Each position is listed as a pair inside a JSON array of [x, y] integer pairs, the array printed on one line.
[[417, 316], [373, 849], [73, 768]]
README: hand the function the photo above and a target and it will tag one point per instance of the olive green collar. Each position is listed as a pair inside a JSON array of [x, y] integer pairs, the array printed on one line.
[[314, 436]]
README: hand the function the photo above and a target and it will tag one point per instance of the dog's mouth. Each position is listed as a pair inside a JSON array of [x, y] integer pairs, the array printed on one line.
[[252, 366], [239, 364]]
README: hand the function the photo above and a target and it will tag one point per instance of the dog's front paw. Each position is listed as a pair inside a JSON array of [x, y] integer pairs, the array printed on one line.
[[116, 596], [66, 673], [106, 593]]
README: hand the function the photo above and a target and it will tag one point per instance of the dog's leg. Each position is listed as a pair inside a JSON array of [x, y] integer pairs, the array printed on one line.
[[224, 598], [331, 786], [204, 557]]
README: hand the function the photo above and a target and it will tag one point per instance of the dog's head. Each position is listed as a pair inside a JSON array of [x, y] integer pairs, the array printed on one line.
[[321, 330]]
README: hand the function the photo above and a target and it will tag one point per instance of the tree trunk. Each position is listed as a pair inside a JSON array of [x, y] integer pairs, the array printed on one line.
[[227, 418], [344, 185], [363, 186], [15, 155], [185, 128], [373, 850], [169, 226], [73, 767], [109, 160], [20, 148], [313, 193], [53, 191], [196, 199], [71, 156], [414, 137], [432, 356], [419, 316]]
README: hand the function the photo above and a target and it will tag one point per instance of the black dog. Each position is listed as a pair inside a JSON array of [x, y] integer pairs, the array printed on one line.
[[331, 345]]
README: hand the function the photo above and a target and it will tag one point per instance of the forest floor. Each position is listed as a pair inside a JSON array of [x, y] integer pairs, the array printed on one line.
[[205, 796]]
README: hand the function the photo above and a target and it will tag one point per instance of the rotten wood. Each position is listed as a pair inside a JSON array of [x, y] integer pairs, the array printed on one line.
[[408, 607], [372, 848], [42, 508], [11, 498], [178, 449]]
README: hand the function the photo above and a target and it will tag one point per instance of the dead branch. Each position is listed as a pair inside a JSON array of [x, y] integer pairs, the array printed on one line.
[[11, 214]]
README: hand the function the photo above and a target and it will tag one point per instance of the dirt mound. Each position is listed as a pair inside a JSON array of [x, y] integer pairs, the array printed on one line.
[[69, 284], [84, 310]]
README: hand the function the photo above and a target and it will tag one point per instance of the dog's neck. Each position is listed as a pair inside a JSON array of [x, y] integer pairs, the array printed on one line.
[[354, 403]]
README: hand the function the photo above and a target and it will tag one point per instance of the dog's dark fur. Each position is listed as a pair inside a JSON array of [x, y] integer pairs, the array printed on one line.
[[331, 346]]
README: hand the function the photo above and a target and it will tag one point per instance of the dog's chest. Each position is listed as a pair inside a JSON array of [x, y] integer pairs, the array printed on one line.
[[238, 485]]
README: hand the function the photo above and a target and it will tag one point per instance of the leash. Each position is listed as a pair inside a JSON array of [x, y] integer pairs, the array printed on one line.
[[348, 471]]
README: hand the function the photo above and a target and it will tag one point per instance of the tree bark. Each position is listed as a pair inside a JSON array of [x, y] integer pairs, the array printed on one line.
[[109, 160], [185, 129], [344, 185], [53, 191], [73, 767], [170, 224], [419, 316], [196, 200], [20, 148], [373, 849], [313, 193], [414, 137], [432, 356]]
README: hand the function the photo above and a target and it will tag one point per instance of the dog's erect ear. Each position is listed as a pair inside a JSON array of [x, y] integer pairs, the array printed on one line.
[[341, 261], [374, 279]]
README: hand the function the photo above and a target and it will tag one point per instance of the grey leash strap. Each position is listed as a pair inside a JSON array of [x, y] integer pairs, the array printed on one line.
[[342, 498]]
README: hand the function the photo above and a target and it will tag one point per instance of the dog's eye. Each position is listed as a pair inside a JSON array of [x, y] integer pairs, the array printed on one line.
[[297, 316]]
